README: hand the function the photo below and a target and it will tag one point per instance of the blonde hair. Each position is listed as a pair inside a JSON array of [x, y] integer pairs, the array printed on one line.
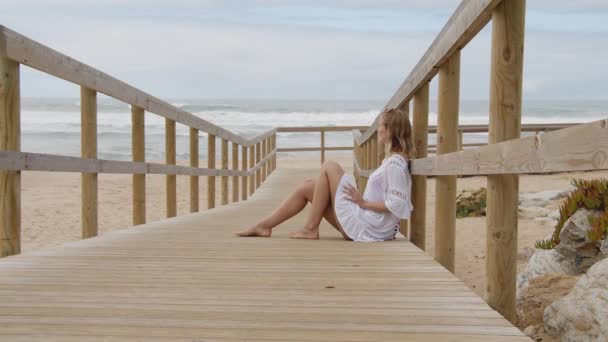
[[397, 123]]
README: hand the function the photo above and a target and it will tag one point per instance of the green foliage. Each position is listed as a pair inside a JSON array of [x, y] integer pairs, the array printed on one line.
[[589, 194], [471, 204]]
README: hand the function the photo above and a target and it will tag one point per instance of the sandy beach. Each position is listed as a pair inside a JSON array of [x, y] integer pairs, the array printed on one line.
[[51, 209]]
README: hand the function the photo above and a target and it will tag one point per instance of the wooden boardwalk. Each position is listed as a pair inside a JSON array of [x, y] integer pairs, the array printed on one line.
[[190, 279]]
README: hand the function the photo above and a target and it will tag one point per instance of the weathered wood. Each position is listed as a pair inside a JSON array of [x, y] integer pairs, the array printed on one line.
[[274, 148], [170, 180], [33, 54], [125, 284], [300, 129], [194, 180], [224, 179], [403, 224], [264, 149], [258, 154], [312, 149], [420, 136], [88, 149], [235, 167], [322, 147], [244, 168], [10, 140], [138, 148], [447, 141], [508, 23], [252, 175], [374, 151], [210, 165]]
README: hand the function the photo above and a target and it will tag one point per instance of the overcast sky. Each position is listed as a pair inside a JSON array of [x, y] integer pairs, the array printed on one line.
[[312, 49]]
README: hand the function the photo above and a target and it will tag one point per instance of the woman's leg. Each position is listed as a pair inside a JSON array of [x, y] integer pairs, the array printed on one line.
[[326, 186], [292, 205]]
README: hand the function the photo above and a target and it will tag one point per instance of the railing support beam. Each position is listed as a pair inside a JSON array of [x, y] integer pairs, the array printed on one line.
[[508, 21], [210, 165], [88, 149], [138, 146], [420, 135], [447, 141], [10, 181], [170, 180], [194, 180]]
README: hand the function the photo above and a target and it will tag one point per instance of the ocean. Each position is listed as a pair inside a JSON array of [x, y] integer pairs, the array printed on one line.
[[52, 125]]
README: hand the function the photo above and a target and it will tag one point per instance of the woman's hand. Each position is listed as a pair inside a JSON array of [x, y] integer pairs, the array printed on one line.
[[354, 195]]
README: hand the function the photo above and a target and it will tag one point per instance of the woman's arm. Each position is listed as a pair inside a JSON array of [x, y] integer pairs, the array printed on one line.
[[356, 197]]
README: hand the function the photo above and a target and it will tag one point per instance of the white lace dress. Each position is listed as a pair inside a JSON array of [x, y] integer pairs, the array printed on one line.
[[391, 183]]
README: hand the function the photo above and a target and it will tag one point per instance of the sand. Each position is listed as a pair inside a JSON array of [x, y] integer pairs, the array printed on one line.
[[51, 209]]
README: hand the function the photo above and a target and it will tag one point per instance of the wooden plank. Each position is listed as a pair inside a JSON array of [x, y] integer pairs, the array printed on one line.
[[447, 140], [194, 161], [224, 167], [170, 180], [235, 167], [300, 129], [210, 165], [313, 149], [252, 175], [322, 147], [88, 148], [209, 284], [10, 140], [420, 136], [577, 148], [508, 26], [258, 155], [244, 168], [264, 149], [33, 54], [138, 146]]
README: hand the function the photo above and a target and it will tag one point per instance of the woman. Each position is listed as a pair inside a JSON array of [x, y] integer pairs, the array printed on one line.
[[371, 217]]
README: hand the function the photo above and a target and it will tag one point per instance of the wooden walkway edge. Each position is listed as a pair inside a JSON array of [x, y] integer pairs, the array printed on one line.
[[189, 279]]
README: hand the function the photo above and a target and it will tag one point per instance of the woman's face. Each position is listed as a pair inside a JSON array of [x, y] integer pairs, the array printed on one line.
[[382, 132]]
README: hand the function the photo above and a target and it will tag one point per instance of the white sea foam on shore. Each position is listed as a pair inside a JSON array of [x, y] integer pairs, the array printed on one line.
[[53, 125]]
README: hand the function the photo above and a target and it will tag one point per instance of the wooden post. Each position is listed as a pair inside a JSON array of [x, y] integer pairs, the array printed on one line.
[[274, 147], [420, 135], [224, 167], [459, 140], [171, 180], [88, 149], [258, 154], [508, 21], [264, 150], [251, 164], [244, 168], [355, 161], [404, 224], [138, 144], [10, 140], [235, 167], [322, 146], [210, 165], [447, 141], [194, 197], [373, 151]]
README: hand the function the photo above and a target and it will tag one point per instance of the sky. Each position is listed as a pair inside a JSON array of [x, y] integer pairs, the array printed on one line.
[[296, 49]]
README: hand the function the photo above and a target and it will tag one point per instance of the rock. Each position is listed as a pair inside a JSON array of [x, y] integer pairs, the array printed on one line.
[[525, 253], [575, 244], [533, 212], [582, 315], [543, 262], [604, 248], [540, 293]]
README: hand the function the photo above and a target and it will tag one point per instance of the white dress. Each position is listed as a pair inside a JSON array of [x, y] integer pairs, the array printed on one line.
[[390, 183]]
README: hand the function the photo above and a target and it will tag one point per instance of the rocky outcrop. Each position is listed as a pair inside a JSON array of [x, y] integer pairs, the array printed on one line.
[[540, 293], [575, 243], [544, 262], [582, 315]]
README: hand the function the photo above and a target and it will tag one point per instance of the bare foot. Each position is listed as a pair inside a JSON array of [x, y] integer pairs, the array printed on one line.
[[255, 231], [305, 234]]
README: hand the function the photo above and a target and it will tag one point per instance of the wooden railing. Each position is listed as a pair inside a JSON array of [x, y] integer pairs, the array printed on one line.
[[462, 130], [581, 147], [16, 49]]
